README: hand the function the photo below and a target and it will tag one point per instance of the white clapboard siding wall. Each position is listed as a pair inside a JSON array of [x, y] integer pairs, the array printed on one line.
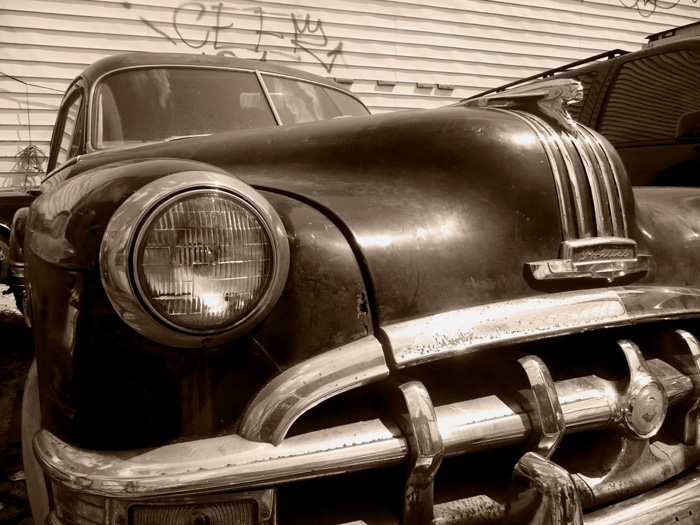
[[395, 54]]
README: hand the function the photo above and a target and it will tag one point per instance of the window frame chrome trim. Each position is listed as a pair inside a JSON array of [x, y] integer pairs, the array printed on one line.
[[316, 82], [121, 234], [268, 97]]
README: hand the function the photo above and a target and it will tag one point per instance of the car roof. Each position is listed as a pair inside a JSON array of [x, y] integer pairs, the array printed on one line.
[[146, 59]]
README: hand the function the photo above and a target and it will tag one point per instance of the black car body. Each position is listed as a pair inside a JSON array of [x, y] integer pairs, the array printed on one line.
[[463, 314], [646, 103]]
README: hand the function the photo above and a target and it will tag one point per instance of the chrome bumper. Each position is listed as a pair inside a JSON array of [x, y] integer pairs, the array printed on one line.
[[422, 435], [674, 503], [233, 463], [236, 463], [143, 473]]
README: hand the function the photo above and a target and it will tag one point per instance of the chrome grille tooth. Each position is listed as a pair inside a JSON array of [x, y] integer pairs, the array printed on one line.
[[420, 428], [541, 491], [645, 402], [550, 416]]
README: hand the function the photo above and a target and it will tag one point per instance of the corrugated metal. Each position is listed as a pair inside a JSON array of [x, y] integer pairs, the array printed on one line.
[[426, 53]]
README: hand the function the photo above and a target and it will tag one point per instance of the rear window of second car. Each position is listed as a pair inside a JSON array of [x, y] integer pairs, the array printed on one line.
[[649, 95]]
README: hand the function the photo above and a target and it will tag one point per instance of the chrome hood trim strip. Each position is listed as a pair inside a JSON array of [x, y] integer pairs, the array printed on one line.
[[459, 332]]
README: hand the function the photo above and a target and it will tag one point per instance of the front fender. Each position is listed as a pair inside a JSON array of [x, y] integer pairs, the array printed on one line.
[[669, 226], [67, 222], [105, 386]]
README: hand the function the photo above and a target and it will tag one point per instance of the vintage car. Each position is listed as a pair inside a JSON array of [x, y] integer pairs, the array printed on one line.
[[249, 310], [11, 200], [646, 103]]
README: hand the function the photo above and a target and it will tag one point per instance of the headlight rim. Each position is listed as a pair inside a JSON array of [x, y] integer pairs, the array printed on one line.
[[119, 245]]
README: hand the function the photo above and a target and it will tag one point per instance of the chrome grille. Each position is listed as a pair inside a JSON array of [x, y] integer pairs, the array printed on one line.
[[476, 406], [550, 416]]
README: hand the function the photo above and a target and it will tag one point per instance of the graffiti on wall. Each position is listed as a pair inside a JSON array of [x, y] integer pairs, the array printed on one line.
[[646, 8], [212, 29]]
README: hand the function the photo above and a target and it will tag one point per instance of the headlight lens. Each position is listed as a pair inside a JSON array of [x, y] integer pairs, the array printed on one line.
[[194, 259], [203, 260]]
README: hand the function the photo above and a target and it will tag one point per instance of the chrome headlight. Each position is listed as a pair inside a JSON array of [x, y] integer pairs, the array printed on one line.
[[194, 258]]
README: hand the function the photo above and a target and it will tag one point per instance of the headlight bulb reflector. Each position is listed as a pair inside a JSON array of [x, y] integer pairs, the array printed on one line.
[[203, 260]]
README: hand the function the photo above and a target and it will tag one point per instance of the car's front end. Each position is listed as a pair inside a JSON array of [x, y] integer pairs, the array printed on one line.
[[460, 315]]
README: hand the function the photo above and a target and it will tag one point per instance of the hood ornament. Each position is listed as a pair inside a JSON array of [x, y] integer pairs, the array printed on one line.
[[550, 96]]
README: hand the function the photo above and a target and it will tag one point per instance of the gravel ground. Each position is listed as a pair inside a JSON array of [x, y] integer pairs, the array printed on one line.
[[15, 356]]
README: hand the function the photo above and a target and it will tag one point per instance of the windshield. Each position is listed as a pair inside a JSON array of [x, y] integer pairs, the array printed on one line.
[[145, 105]]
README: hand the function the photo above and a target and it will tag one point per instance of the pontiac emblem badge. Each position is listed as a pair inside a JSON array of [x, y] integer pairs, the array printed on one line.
[[606, 258], [649, 417]]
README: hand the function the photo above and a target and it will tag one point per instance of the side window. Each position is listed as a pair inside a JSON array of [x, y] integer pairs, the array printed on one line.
[[69, 134], [649, 95]]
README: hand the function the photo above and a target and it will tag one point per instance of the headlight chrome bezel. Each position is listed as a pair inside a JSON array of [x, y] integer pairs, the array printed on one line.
[[124, 232]]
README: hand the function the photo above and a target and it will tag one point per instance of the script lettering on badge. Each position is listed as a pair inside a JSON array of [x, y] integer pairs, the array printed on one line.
[[603, 254]]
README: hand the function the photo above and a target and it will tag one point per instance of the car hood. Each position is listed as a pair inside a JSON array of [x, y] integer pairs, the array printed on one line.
[[443, 208]]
